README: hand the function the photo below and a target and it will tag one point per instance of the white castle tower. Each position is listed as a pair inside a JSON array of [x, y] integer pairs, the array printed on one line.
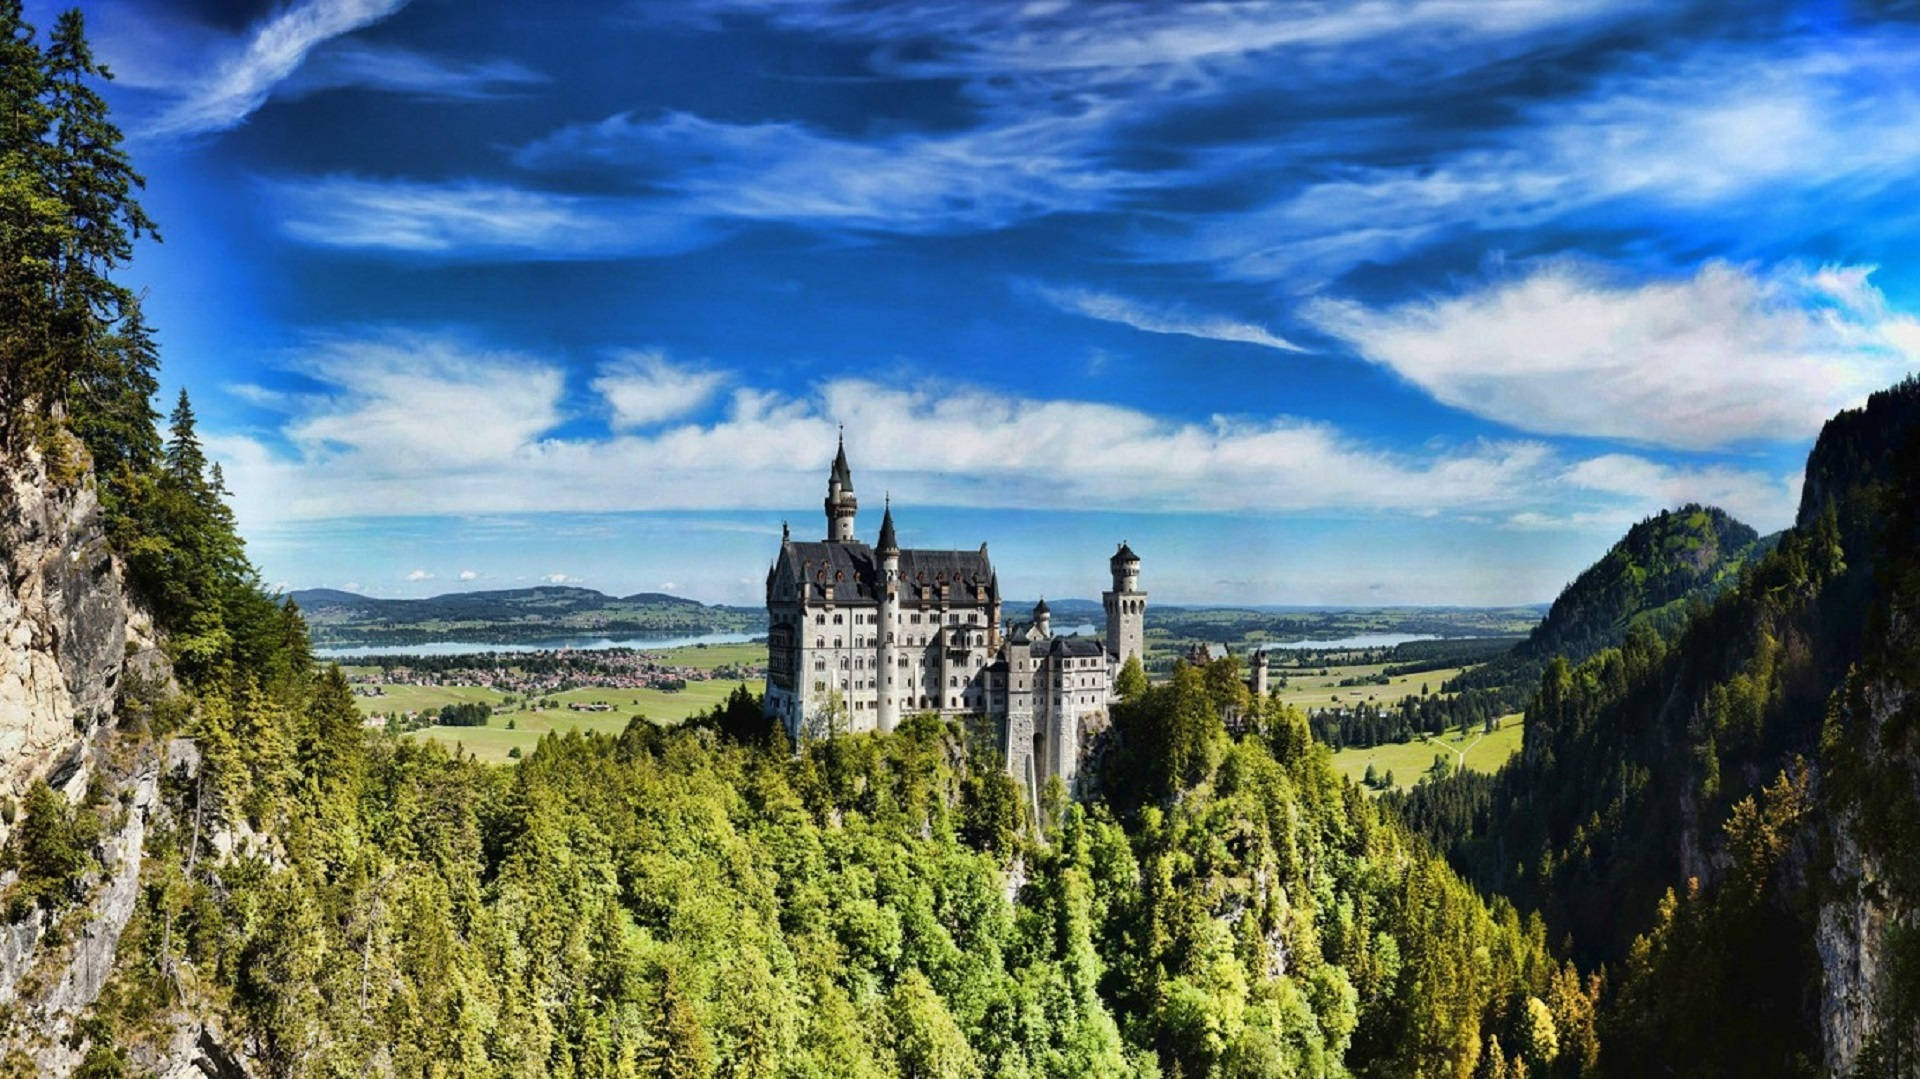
[[1126, 608], [887, 619], [841, 505]]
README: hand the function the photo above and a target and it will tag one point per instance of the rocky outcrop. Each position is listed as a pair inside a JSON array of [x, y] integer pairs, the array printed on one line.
[[67, 629], [64, 981], [1861, 903], [72, 643]]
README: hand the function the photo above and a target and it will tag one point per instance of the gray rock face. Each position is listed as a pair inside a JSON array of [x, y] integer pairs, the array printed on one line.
[[79, 969], [64, 628], [70, 638], [1854, 917]]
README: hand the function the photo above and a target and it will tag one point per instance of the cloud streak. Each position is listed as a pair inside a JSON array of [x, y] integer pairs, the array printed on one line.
[[643, 389], [1728, 355], [1152, 318], [405, 71], [1721, 136], [275, 48], [476, 219]]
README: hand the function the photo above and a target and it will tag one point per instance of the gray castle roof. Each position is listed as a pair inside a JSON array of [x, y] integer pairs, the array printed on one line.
[[850, 572], [1124, 554], [841, 473], [1077, 646]]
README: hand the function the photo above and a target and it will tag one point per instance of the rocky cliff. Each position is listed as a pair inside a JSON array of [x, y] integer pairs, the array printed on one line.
[[72, 643], [70, 635]]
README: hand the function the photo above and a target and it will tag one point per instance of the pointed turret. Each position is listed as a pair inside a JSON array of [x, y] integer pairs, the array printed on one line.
[[889, 543], [889, 682], [842, 475], [841, 505]]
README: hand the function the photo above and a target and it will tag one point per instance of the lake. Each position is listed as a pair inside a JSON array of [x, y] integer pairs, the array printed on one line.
[[580, 644], [1361, 640]]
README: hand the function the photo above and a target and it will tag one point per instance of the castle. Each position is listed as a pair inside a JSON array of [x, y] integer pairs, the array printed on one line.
[[860, 636]]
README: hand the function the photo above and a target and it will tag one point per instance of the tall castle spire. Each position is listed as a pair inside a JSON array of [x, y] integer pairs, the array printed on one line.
[[841, 505], [889, 543]]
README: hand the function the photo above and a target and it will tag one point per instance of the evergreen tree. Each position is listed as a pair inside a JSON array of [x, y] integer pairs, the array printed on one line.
[[32, 221], [91, 176], [679, 1049]]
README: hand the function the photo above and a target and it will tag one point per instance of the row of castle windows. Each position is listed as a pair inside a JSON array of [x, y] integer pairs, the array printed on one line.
[[954, 618]]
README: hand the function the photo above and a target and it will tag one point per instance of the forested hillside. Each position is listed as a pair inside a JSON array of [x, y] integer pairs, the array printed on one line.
[[1652, 578], [1688, 810], [505, 616]]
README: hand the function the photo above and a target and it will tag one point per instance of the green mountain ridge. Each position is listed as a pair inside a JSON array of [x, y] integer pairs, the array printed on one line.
[[512, 616], [1729, 812], [1650, 578]]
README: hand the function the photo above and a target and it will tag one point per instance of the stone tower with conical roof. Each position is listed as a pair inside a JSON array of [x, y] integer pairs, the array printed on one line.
[[1126, 608], [841, 505]]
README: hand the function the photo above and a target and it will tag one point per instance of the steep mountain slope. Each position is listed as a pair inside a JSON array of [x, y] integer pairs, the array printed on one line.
[[77, 653], [512, 615], [1729, 811], [1649, 578]]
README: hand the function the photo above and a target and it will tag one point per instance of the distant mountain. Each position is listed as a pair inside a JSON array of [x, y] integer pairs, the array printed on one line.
[[1733, 813], [1647, 578], [513, 615], [1650, 577]]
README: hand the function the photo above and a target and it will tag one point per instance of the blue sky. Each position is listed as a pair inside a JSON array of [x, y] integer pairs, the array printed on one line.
[[1349, 301]]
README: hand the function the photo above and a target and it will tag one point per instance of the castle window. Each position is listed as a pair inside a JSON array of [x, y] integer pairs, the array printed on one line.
[[819, 619], [836, 619], [819, 642]]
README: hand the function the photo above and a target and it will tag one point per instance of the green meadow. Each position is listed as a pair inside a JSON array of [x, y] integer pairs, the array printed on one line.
[[1309, 689], [520, 726], [1409, 760]]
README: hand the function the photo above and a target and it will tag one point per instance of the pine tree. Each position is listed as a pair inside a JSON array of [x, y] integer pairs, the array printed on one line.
[[679, 1049], [186, 462], [90, 175], [31, 221]]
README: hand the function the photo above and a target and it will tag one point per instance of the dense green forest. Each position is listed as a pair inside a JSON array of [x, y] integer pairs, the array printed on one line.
[[700, 901], [1676, 810], [1653, 578]]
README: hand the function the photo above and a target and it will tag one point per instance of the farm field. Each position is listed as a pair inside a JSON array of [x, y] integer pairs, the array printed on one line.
[[495, 741], [1408, 760], [1309, 689]]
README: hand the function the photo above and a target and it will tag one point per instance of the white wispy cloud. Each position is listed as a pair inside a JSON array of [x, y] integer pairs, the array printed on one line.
[[477, 218], [1076, 45], [243, 79], [1154, 318], [643, 389], [407, 71], [1722, 135], [1728, 354], [469, 575], [405, 401], [419, 575], [1751, 496], [985, 177], [404, 438]]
